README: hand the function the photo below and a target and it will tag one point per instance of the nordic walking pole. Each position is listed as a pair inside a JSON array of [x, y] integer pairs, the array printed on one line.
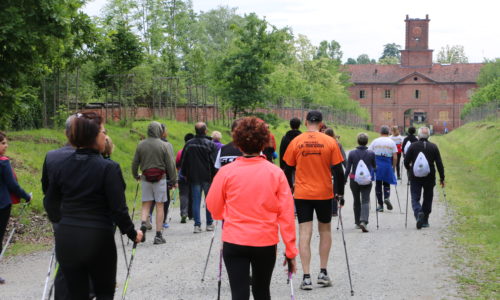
[[219, 279], [21, 214], [124, 252], [53, 282], [134, 247], [345, 250], [397, 196], [375, 198], [209, 250], [407, 191], [48, 274], [133, 209], [290, 278]]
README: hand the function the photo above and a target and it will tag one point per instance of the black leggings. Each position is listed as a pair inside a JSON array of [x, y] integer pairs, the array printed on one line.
[[4, 219], [398, 165], [87, 252], [238, 259]]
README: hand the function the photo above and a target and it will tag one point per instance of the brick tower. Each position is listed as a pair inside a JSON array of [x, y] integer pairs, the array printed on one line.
[[417, 52]]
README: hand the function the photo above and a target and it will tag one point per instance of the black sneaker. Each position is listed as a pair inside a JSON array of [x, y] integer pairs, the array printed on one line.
[[380, 208], [159, 240], [183, 219], [420, 220], [143, 229], [388, 203], [2, 281], [426, 222]]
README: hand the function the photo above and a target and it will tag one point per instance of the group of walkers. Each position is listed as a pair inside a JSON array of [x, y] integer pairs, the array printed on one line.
[[255, 200]]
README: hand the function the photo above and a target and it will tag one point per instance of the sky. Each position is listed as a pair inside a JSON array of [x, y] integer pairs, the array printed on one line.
[[365, 26]]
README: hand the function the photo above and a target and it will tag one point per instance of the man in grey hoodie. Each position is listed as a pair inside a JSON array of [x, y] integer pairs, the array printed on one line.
[[155, 161]]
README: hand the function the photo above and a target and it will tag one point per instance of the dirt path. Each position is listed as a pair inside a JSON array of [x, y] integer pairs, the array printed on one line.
[[389, 263]]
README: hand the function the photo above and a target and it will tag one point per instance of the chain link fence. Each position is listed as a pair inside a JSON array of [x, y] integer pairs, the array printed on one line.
[[490, 110]]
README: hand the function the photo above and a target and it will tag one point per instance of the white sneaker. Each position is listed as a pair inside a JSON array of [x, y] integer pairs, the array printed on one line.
[[324, 279], [306, 284], [211, 227], [197, 229]]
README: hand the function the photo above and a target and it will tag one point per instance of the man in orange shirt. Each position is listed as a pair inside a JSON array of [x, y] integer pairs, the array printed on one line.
[[313, 154]]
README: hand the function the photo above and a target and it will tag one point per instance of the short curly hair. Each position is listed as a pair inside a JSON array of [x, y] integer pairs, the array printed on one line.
[[251, 135]]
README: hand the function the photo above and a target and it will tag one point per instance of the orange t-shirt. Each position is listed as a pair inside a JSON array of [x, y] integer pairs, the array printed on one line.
[[312, 154]]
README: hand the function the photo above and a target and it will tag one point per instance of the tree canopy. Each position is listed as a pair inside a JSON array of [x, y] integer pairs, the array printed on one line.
[[452, 55]]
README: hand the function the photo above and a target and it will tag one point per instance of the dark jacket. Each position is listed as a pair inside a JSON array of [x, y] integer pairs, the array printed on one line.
[[432, 155], [8, 185], [360, 153], [285, 141], [227, 154], [52, 159], [87, 190], [410, 138], [198, 159]]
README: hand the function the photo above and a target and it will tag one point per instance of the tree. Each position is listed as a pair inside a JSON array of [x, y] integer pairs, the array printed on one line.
[[351, 61], [389, 60], [364, 59], [452, 55], [391, 50], [243, 73], [329, 50], [489, 72], [489, 82]]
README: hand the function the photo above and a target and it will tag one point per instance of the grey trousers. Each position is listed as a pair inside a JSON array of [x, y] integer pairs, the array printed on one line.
[[361, 195], [184, 195]]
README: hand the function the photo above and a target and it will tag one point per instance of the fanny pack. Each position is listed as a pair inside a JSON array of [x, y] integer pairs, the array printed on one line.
[[153, 174]]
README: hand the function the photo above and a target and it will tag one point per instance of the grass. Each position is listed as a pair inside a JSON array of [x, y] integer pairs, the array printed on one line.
[[27, 150], [471, 155]]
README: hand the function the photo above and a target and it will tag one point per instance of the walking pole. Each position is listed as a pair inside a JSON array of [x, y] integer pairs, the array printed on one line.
[[376, 203], [133, 209], [219, 279], [21, 214], [53, 282], [407, 191], [209, 250], [48, 274], [397, 196], [345, 250], [124, 252], [129, 268], [290, 278]]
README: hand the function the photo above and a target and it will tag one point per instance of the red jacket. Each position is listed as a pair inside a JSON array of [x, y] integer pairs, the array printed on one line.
[[253, 198]]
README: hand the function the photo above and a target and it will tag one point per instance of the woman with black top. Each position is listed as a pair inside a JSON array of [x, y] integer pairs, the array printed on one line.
[[86, 198]]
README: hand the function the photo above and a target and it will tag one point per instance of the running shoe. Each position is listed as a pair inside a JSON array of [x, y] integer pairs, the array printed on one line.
[[380, 208], [197, 229], [388, 203], [211, 227], [362, 226], [183, 219], [166, 225], [420, 220], [357, 226], [159, 240], [2, 281], [324, 279], [306, 284]]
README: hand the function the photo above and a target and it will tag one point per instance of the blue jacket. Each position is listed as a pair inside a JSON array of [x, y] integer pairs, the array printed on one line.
[[8, 185]]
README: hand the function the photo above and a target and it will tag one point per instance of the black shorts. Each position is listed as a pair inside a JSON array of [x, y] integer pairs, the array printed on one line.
[[305, 210]]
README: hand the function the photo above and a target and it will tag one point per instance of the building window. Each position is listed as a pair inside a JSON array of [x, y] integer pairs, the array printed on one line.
[[362, 94], [444, 94], [417, 94], [387, 94], [387, 116], [444, 116]]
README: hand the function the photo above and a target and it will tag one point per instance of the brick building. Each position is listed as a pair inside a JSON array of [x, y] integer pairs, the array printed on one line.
[[415, 91]]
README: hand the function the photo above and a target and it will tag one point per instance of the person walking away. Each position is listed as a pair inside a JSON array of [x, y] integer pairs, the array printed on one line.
[[216, 138], [197, 164], [155, 161], [410, 138], [385, 157], [312, 154], [52, 159], [339, 179], [398, 140], [285, 141], [86, 197], [423, 183], [10, 191], [229, 152], [184, 190], [361, 190], [252, 196], [270, 149]]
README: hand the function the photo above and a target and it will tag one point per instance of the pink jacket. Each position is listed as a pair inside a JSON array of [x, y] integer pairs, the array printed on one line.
[[253, 198]]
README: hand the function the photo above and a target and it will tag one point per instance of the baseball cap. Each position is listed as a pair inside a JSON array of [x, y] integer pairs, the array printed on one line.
[[314, 116]]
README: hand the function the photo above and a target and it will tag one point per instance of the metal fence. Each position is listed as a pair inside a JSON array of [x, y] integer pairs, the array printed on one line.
[[490, 110]]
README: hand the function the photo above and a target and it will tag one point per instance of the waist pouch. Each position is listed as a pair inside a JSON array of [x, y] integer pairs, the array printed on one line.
[[153, 174]]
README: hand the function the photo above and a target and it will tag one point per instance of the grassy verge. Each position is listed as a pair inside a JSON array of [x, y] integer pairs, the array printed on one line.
[[471, 156], [28, 148]]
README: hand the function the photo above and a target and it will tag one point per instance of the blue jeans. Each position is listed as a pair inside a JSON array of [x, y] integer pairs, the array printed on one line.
[[416, 191], [196, 189]]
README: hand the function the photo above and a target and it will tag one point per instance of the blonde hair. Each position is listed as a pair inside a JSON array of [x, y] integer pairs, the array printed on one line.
[[216, 135], [108, 148], [395, 130]]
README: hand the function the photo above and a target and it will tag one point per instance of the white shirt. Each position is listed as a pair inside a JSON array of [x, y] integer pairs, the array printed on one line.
[[383, 146], [398, 139]]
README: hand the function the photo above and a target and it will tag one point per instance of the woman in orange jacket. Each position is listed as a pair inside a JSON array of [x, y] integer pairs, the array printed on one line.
[[253, 198]]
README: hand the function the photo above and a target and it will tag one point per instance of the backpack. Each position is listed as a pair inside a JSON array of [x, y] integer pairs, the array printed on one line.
[[421, 166], [362, 175], [407, 146]]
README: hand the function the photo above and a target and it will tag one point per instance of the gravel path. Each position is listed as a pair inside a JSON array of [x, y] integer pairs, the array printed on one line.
[[389, 263]]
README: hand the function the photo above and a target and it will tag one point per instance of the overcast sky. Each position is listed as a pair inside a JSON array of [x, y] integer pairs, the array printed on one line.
[[364, 26]]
